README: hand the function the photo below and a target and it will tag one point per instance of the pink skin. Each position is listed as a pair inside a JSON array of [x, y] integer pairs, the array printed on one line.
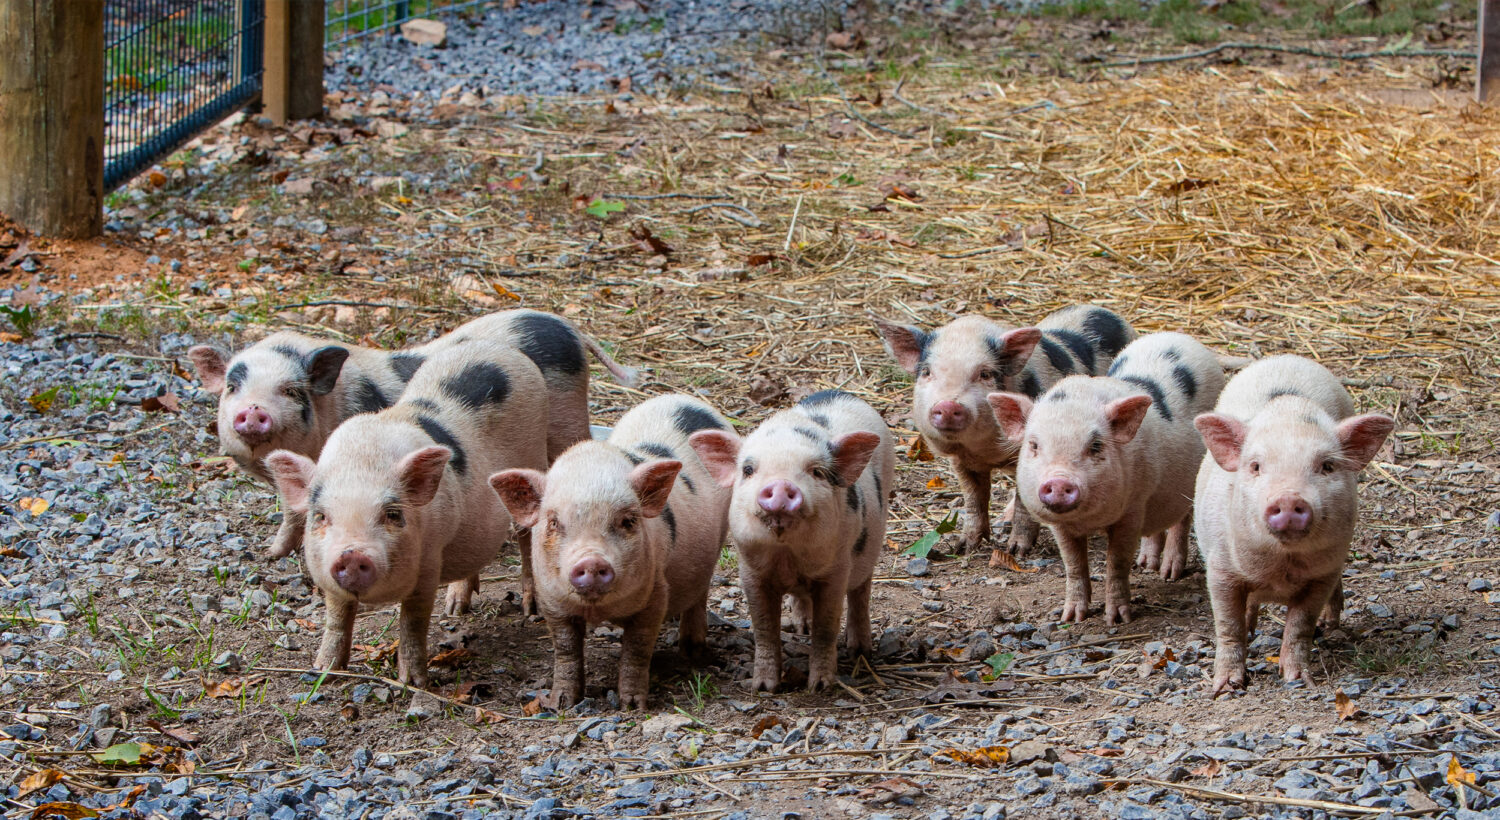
[[949, 410], [1277, 507], [792, 527]]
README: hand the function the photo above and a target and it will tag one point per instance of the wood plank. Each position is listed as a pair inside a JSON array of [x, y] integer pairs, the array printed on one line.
[[1489, 51], [293, 84], [52, 115]]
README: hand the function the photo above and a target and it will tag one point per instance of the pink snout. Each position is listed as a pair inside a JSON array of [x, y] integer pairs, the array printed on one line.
[[354, 572], [780, 497], [1058, 494], [253, 424], [1289, 516], [950, 416], [592, 576]]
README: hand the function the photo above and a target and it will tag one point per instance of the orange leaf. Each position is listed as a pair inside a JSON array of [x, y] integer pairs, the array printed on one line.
[[765, 724], [916, 450], [505, 292], [1345, 706], [985, 757], [482, 715], [67, 811], [1009, 561], [1457, 774], [130, 798], [532, 708], [38, 780], [936, 483], [165, 403], [231, 687], [452, 657], [1166, 655], [1208, 769], [35, 506]]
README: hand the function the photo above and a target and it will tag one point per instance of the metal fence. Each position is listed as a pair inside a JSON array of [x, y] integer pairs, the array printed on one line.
[[352, 19], [173, 68]]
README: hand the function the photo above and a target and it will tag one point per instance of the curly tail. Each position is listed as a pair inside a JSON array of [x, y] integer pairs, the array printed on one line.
[[628, 376]]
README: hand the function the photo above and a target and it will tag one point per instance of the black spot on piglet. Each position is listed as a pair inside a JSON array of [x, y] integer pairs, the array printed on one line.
[[689, 419], [478, 384], [550, 343], [406, 365], [367, 398], [442, 435], [1158, 397]]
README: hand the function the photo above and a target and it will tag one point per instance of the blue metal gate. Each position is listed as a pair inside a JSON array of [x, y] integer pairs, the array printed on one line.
[[172, 69]]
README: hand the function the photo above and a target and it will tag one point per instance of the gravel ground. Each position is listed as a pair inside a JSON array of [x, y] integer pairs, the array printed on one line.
[[556, 47], [146, 534]]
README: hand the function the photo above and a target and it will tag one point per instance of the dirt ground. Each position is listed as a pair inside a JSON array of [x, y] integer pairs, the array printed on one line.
[[1273, 205]]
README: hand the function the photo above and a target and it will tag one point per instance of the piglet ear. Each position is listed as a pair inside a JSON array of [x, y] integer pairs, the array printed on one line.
[[905, 343], [293, 474], [421, 472], [851, 452], [1016, 346], [1224, 436], [1011, 410], [1125, 417], [1361, 437], [323, 368], [718, 451], [652, 483], [211, 366], [521, 491]]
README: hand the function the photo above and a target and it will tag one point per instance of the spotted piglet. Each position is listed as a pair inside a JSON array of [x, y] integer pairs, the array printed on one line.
[[628, 531], [398, 504], [1115, 454], [1277, 503], [958, 364], [808, 518]]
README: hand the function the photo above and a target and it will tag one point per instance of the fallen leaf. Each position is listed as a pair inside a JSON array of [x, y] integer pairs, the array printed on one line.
[[1008, 561], [754, 260], [955, 687], [11, 552], [916, 450], [504, 292], [887, 791], [647, 241], [156, 178], [306, 623], [1209, 769], [42, 401], [1457, 774], [38, 780], [985, 757], [129, 799], [482, 715], [376, 654], [7, 336], [165, 403], [180, 735], [349, 712], [532, 708], [231, 687], [451, 657], [125, 754], [936, 483], [1345, 706], [765, 724], [844, 40], [35, 506], [1161, 662], [470, 691], [67, 811]]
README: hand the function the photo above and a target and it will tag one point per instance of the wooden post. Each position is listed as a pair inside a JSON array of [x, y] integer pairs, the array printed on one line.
[[293, 84], [52, 115], [1489, 51]]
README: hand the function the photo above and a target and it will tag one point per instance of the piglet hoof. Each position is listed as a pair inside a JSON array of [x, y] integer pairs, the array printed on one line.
[[1150, 560], [560, 698], [1227, 682], [1074, 611], [632, 700], [1173, 568], [1329, 620], [973, 538], [328, 660], [763, 683], [283, 544], [818, 681], [1116, 613], [1293, 669], [416, 679]]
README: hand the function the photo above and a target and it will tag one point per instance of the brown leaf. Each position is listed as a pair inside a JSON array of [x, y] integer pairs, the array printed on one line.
[[451, 657], [231, 687], [38, 780], [893, 188], [129, 799], [532, 708], [954, 687], [888, 790], [22, 251], [67, 811], [165, 403], [765, 724], [482, 715], [349, 712], [985, 757], [755, 260], [936, 483], [916, 450], [180, 735], [1345, 706], [1186, 184], [1161, 662], [844, 40], [1008, 561], [647, 241], [1209, 769], [470, 691]]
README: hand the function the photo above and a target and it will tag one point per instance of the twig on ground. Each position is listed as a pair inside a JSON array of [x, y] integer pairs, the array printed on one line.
[[1299, 50], [1215, 794]]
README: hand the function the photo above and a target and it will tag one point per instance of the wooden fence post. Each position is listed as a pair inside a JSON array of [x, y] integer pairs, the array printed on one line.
[[293, 84], [52, 115], [1489, 51]]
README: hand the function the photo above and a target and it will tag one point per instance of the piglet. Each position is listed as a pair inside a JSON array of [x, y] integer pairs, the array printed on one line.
[[958, 364], [1115, 454], [626, 530], [1276, 504], [808, 518], [397, 502]]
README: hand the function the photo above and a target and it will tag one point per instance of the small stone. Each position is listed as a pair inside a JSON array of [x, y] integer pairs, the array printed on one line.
[[99, 716], [1480, 585], [896, 735], [1380, 610], [918, 567], [658, 726], [424, 32]]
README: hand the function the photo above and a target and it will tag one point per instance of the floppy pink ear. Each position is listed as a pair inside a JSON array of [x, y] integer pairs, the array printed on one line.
[[718, 451], [1125, 416], [1016, 346], [905, 343], [653, 483], [1224, 437], [422, 472], [521, 492], [293, 474], [1361, 437], [1011, 410], [211, 366], [851, 452]]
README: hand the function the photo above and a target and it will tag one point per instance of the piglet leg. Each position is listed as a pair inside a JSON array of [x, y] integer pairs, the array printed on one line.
[[1334, 610], [289, 534], [528, 586], [692, 631], [1124, 540], [636, 647], [827, 614], [567, 662], [460, 596], [1231, 615], [857, 635], [764, 601], [1075, 555], [411, 655], [1301, 619], [338, 633], [975, 485], [1174, 555]]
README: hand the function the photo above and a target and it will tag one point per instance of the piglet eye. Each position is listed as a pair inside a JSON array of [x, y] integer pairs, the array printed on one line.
[[747, 469], [986, 375], [555, 525], [231, 387], [627, 523], [923, 371], [395, 517], [1329, 467], [1255, 468], [319, 518], [1096, 447], [823, 474], [1032, 445]]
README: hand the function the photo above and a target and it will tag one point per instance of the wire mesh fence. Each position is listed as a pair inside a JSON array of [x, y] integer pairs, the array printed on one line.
[[173, 68], [348, 20]]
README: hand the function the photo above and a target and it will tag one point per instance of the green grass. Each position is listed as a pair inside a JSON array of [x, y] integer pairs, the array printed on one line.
[[1189, 21]]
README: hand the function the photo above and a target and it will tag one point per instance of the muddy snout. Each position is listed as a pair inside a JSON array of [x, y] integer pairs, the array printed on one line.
[[1058, 495], [950, 417], [1289, 516], [592, 576], [779, 502], [253, 424], [354, 572]]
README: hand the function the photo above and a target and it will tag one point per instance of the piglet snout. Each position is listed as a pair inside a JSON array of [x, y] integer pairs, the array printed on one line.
[[592, 576], [1289, 516], [950, 416], [780, 497], [1058, 494], [253, 424], [354, 571]]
